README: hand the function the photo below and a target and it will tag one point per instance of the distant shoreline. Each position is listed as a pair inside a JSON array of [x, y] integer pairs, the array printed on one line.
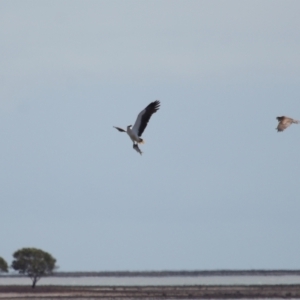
[[169, 273]]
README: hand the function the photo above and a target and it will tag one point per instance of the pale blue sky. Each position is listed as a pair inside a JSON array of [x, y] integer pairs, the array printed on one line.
[[216, 188]]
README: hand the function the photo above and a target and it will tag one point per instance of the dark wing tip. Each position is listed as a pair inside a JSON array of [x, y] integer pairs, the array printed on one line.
[[120, 129], [154, 106]]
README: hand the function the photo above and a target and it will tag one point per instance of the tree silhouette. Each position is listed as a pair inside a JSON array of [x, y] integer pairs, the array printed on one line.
[[34, 263], [3, 265]]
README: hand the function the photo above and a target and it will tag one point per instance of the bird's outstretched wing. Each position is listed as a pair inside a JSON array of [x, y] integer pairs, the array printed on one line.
[[144, 117], [285, 122], [120, 129]]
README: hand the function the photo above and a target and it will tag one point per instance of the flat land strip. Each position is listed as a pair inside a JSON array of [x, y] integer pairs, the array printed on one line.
[[151, 292]]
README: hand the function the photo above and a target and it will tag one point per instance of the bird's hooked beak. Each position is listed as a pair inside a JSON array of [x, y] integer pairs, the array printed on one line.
[[129, 126]]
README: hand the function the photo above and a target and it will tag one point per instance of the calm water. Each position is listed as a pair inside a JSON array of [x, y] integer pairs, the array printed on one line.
[[172, 280]]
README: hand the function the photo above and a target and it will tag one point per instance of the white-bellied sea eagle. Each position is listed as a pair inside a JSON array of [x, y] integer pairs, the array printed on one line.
[[140, 124]]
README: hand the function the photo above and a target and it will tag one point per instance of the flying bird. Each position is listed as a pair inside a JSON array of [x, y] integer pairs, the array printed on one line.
[[140, 124], [285, 122]]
